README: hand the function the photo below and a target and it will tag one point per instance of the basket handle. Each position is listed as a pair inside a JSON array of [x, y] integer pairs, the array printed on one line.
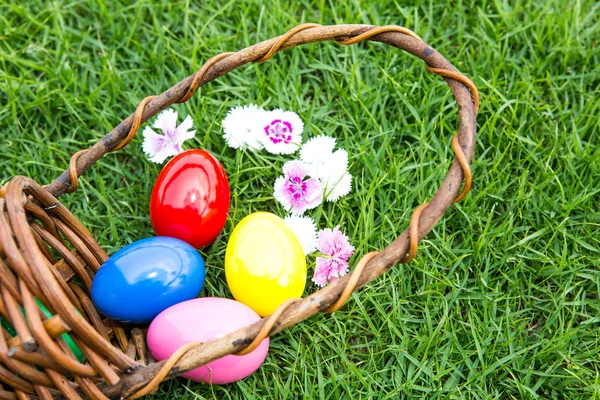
[[122, 134]]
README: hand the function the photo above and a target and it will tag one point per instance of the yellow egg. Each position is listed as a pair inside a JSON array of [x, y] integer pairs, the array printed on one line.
[[264, 263]]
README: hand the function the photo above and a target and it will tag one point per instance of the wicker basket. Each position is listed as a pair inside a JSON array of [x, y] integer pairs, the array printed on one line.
[[36, 362]]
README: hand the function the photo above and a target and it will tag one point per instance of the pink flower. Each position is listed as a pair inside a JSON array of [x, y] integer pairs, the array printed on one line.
[[159, 147], [337, 250], [295, 192]]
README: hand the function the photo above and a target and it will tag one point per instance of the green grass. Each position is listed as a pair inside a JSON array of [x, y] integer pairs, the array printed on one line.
[[502, 299]]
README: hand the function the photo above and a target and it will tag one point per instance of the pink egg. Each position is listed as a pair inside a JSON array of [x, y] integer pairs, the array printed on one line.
[[203, 320]]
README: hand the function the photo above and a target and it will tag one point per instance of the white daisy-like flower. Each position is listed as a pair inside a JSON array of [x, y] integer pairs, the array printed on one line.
[[336, 188], [328, 166], [240, 127], [160, 147], [281, 131], [316, 154], [305, 230]]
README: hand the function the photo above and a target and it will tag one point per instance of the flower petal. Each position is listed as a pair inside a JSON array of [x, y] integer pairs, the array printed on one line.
[[318, 144], [322, 271], [335, 244], [298, 206], [305, 230], [344, 248], [166, 122], [295, 120], [313, 193], [280, 131], [328, 270], [281, 148], [157, 147], [182, 132], [326, 243], [338, 269], [316, 153], [294, 169], [281, 193], [340, 188], [333, 168], [241, 125], [182, 137], [337, 165]]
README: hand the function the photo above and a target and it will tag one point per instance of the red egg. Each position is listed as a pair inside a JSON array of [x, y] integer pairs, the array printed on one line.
[[190, 199]]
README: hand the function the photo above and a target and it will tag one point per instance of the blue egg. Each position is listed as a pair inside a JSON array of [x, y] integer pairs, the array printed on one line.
[[146, 277]]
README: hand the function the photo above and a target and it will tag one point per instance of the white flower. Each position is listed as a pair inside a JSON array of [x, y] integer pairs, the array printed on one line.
[[316, 153], [281, 131], [159, 147], [328, 166], [336, 188], [240, 127], [305, 230]]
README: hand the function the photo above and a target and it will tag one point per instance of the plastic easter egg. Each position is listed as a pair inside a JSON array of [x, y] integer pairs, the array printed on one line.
[[264, 263], [146, 277], [190, 199], [204, 320]]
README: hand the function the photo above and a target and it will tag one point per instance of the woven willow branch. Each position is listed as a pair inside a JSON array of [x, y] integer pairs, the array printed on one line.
[[371, 265]]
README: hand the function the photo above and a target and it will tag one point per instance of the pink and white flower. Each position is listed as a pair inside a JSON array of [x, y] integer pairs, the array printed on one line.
[[160, 147], [337, 250], [281, 131], [295, 191]]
